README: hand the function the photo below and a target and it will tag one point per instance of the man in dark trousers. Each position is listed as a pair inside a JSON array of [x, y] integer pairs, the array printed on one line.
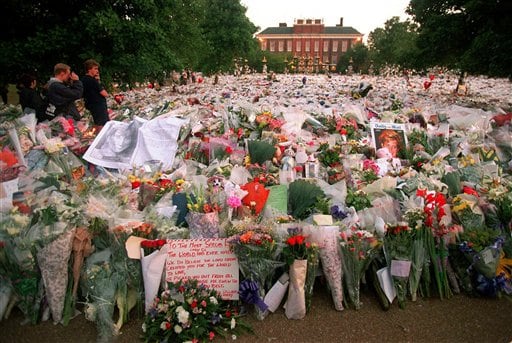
[[63, 89], [95, 95]]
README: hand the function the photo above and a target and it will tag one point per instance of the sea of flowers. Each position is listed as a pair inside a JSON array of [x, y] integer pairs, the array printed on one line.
[[290, 174]]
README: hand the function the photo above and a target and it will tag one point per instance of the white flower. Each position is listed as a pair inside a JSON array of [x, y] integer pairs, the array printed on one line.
[[233, 323], [183, 315], [20, 219], [213, 300], [178, 329], [233, 337], [13, 231], [164, 325], [144, 327]]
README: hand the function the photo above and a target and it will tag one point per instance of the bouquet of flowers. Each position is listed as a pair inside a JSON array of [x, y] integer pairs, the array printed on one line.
[[357, 199], [258, 259], [152, 260], [302, 258], [467, 212], [398, 244], [189, 312], [18, 263], [203, 215], [9, 166], [358, 248], [437, 222], [100, 283], [415, 218]]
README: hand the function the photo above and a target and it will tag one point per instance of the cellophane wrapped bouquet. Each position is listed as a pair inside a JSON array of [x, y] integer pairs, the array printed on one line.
[[358, 247], [258, 258]]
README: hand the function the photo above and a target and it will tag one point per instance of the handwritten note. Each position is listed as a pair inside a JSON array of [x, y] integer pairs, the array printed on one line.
[[208, 260]]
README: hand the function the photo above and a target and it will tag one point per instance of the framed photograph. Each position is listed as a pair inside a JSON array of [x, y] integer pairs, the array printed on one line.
[[391, 137]]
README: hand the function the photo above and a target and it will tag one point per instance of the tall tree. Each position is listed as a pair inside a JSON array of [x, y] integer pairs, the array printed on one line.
[[228, 34], [394, 44], [474, 35]]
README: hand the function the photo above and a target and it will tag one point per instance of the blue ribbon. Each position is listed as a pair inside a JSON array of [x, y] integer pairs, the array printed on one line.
[[249, 294], [490, 287]]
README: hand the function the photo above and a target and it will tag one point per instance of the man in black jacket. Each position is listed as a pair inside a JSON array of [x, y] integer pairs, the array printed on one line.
[[95, 95], [30, 98], [63, 89]]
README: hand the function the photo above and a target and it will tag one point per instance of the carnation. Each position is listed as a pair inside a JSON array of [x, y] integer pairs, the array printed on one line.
[[183, 315], [178, 329]]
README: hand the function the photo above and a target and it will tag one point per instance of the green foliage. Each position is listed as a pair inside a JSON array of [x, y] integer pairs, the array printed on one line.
[[357, 199], [134, 40], [302, 197], [394, 44], [360, 56], [228, 34], [472, 35]]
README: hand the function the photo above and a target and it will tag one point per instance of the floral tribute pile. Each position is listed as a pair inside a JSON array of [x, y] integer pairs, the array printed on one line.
[[293, 177]]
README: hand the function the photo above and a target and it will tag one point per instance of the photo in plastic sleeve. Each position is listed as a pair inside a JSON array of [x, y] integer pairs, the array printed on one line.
[[389, 139]]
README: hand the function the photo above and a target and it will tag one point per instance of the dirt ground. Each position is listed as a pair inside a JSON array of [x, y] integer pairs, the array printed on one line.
[[459, 319]]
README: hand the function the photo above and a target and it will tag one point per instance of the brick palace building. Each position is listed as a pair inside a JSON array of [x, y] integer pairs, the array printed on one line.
[[312, 44]]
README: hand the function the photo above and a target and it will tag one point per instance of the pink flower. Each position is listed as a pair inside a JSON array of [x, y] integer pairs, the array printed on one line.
[[234, 202]]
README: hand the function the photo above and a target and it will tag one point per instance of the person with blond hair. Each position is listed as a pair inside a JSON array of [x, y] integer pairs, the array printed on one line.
[[64, 88], [391, 140], [95, 95]]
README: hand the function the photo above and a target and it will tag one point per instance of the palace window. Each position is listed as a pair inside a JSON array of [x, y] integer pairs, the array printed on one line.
[[307, 46], [272, 45], [289, 45], [334, 46], [317, 46], [299, 46], [344, 45], [281, 45], [326, 45]]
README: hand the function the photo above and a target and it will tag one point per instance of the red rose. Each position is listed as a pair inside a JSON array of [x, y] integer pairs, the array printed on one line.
[[300, 239], [165, 183], [291, 241], [135, 184], [228, 314], [229, 150]]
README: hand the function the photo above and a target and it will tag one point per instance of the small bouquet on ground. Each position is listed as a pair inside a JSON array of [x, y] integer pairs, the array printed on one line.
[[437, 223], [358, 248], [203, 215], [153, 258], [190, 312], [415, 218], [398, 244], [258, 259], [9, 166], [489, 269], [100, 283], [302, 258], [326, 237], [466, 211]]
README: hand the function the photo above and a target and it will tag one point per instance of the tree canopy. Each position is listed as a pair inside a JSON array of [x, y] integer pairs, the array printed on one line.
[[473, 35], [132, 39]]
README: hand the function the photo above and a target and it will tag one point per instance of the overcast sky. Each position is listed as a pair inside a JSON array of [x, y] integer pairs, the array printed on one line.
[[363, 15]]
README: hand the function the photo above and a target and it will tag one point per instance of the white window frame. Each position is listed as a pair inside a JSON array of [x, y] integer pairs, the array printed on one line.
[[344, 46], [334, 46]]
